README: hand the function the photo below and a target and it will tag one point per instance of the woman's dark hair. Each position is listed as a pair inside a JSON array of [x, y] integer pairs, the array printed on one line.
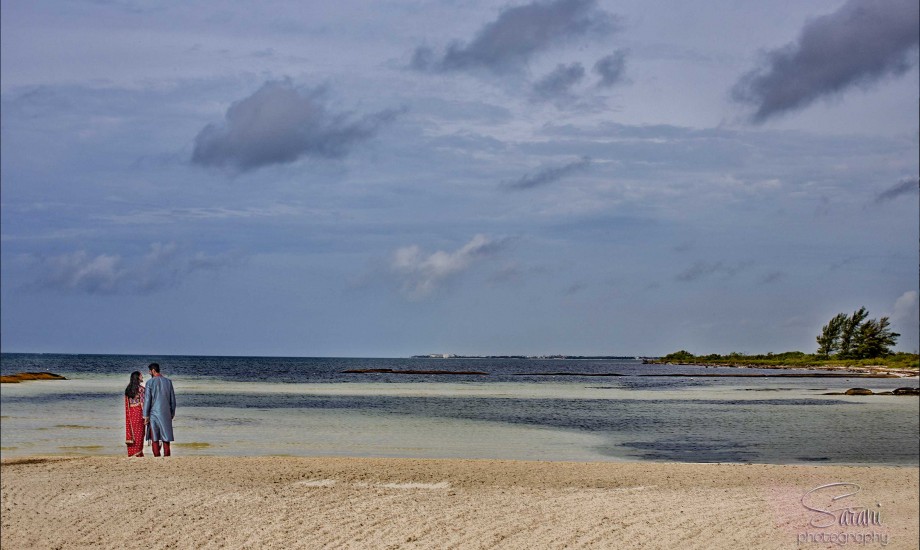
[[134, 385]]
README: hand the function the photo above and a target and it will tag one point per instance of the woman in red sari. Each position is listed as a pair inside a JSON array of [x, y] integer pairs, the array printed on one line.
[[134, 416]]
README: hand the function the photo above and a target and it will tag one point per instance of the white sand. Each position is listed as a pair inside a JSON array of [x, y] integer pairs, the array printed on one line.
[[287, 502]]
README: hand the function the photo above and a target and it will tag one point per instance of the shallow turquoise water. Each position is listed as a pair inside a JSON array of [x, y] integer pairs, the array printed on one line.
[[318, 410]]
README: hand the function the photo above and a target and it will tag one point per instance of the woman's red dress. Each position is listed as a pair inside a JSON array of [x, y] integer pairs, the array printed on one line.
[[134, 423]]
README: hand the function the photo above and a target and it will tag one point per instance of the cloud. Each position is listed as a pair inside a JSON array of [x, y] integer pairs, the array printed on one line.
[[517, 35], [420, 274], [905, 308], [903, 187], [557, 83], [772, 277], [202, 213], [549, 175], [163, 266], [158, 269], [906, 318], [575, 288], [509, 273], [611, 69], [80, 272], [701, 269], [280, 124], [859, 44], [201, 261]]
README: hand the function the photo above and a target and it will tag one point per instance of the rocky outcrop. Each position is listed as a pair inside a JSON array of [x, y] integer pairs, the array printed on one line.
[[780, 375], [392, 371], [25, 376], [567, 374], [864, 391]]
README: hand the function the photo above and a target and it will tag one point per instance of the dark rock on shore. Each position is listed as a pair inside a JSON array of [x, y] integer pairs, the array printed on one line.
[[780, 375], [567, 374], [392, 371], [864, 391], [25, 376]]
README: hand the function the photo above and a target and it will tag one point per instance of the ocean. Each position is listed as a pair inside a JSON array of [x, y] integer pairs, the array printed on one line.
[[527, 409]]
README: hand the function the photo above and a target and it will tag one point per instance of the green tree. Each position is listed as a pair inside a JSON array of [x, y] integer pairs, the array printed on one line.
[[854, 337], [678, 356], [848, 331], [829, 339], [874, 339]]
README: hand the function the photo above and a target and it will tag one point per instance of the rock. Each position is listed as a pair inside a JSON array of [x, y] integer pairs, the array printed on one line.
[[567, 374], [392, 371], [864, 391], [23, 376]]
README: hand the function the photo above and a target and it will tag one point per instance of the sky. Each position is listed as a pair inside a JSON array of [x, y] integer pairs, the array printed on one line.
[[393, 177]]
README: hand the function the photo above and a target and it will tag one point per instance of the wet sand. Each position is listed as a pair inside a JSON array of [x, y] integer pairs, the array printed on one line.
[[292, 502]]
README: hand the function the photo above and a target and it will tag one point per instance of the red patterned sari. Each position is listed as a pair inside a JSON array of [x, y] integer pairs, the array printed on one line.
[[134, 423]]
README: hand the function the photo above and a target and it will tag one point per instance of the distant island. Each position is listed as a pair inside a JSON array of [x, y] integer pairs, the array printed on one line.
[[846, 342], [901, 364], [908, 363], [850, 342], [586, 357]]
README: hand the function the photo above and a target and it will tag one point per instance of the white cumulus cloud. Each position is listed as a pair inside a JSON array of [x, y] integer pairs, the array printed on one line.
[[905, 308], [906, 319], [420, 274]]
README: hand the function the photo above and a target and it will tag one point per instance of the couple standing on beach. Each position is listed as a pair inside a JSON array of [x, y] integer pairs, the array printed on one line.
[[149, 412]]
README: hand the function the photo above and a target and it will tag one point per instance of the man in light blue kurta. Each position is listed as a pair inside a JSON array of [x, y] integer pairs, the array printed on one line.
[[159, 409]]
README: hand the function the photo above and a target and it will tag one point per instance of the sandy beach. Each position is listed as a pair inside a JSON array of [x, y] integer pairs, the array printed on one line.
[[288, 502]]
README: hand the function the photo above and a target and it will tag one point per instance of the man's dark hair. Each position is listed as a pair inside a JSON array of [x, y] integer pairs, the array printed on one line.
[[154, 367]]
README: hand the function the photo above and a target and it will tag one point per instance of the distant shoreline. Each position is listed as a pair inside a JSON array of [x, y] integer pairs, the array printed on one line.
[[769, 361], [864, 370], [536, 357]]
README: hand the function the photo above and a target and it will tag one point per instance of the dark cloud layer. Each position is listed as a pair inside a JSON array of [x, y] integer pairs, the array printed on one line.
[[612, 69], [859, 44], [901, 188], [558, 82], [280, 124], [549, 175], [508, 43]]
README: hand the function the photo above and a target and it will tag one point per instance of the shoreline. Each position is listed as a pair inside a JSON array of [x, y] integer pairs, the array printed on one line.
[[205, 501], [868, 371]]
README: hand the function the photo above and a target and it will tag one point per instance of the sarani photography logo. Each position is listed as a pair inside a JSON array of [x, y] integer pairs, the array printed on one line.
[[836, 515]]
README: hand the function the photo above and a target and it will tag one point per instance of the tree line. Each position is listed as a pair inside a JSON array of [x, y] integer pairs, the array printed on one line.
[[856, 337]]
